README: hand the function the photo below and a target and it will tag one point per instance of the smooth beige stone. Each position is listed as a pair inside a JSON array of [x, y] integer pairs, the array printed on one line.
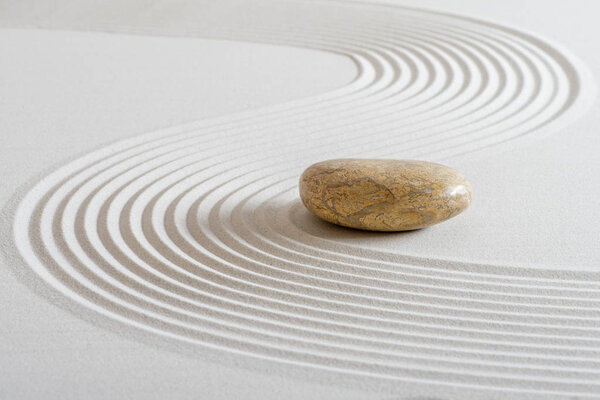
[[383, 195]]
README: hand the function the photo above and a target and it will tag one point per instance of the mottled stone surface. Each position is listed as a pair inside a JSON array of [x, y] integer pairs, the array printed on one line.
[[383, 195]]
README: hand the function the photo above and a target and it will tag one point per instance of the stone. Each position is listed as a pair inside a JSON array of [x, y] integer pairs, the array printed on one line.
[[383, 195]]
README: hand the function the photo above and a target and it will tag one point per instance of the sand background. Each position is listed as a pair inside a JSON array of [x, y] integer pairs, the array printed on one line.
[[67, 91]]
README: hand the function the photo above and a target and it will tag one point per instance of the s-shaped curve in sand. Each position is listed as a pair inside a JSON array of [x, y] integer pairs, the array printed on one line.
[[194, 234]]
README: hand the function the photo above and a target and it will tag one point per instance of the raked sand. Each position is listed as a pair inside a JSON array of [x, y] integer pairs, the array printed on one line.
[[151, 190]]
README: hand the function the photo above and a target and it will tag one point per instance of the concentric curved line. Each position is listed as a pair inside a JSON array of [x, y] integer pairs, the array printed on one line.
[[195, 234]]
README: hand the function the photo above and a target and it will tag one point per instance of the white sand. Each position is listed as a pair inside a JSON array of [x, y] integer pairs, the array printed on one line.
[[183, 257]]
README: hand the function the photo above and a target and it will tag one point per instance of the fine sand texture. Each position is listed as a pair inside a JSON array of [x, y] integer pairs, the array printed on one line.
[[154, 244]]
